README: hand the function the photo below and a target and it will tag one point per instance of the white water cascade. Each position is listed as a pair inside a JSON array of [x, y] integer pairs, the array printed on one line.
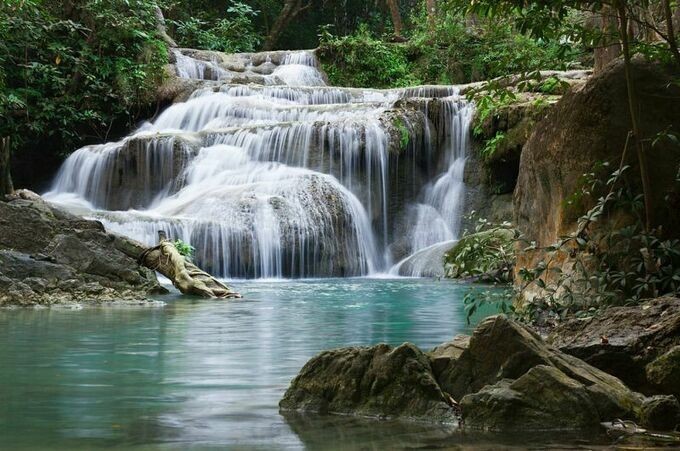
[[269, 173]]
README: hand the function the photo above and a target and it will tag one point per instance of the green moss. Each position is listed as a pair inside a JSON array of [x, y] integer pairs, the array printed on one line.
[[404, 134]]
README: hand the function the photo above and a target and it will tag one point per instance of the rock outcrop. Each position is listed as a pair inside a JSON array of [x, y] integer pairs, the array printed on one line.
[[48, 256], [500, 368], [505, 377], [638, 344], [590, 125], [492, 167]]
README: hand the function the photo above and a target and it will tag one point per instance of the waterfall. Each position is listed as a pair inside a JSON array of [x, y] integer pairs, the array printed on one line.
[[435, 220], [283, 176]]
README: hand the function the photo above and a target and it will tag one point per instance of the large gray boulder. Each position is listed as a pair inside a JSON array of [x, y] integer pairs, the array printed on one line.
[[505, 377], [377, 381], [544, 398], [503, 349], [664, 372], [48, 256]]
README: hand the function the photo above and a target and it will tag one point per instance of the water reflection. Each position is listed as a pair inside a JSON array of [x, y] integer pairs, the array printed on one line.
[[206, 373]]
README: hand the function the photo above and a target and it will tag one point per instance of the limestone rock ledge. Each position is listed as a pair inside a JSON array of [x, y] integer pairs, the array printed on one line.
[[505, 377], [48, 256], [641, 345]]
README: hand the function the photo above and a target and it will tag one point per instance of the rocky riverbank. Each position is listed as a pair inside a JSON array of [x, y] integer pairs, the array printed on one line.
[[49, 256], [504, 377]]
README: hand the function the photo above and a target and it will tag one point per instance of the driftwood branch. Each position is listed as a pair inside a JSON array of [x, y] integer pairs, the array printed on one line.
[[185, 276]]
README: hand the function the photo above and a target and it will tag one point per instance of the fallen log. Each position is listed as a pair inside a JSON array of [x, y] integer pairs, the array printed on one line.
[[184, 275]]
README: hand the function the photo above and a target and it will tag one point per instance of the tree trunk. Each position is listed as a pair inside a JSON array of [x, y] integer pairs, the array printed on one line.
[[672, 43], [185, 276], [632, 105], [6, 186], [431, 14], [396, 17], [610, 47], [291, 9], [160, 27]]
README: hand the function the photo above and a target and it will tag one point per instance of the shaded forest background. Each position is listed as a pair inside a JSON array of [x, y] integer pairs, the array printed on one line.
[[74, 72]]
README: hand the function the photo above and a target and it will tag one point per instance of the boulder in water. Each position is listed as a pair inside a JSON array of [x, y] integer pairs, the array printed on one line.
[[503, 349], [505, 377], [544, 398], [378, 381]]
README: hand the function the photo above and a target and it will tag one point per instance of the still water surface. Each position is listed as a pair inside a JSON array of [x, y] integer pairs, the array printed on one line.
[[206, 374]]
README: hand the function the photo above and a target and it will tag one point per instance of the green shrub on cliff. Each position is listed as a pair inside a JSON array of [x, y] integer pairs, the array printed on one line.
[[232, 32], [487, 255], [70, 70], [363, 60]]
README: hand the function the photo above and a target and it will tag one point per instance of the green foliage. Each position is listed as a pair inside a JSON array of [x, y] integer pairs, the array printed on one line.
[[610, 259], [478, 297], [404, 134], [67, 73], [487, 255], [488, 101], [362, 60], [607, 265], [491, 145], [489, 49], [451, 53], [184, 249], [235, 32]]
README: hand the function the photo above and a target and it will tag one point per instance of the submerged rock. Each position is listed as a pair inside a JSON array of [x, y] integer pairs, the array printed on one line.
[[48, 256], [636, 336], [378, 381]]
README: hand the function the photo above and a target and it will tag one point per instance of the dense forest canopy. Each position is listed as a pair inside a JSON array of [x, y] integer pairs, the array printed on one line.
[[79, 71]]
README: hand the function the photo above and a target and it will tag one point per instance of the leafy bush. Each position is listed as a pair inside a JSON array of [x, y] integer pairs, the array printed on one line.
[[184, 249], [233, 33], [488, 254], [68, 73], [362, 60]]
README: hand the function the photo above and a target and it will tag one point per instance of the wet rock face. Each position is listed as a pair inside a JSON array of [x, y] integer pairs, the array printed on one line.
[[48, 256], [641, 347], [591, 125], [378, 381]]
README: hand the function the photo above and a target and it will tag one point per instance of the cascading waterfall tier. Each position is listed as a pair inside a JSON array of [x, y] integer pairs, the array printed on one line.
[[283, 176]]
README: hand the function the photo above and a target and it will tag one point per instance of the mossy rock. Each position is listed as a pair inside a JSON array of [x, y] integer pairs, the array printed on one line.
[[544, 398], [664, 372], [483, 255]]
